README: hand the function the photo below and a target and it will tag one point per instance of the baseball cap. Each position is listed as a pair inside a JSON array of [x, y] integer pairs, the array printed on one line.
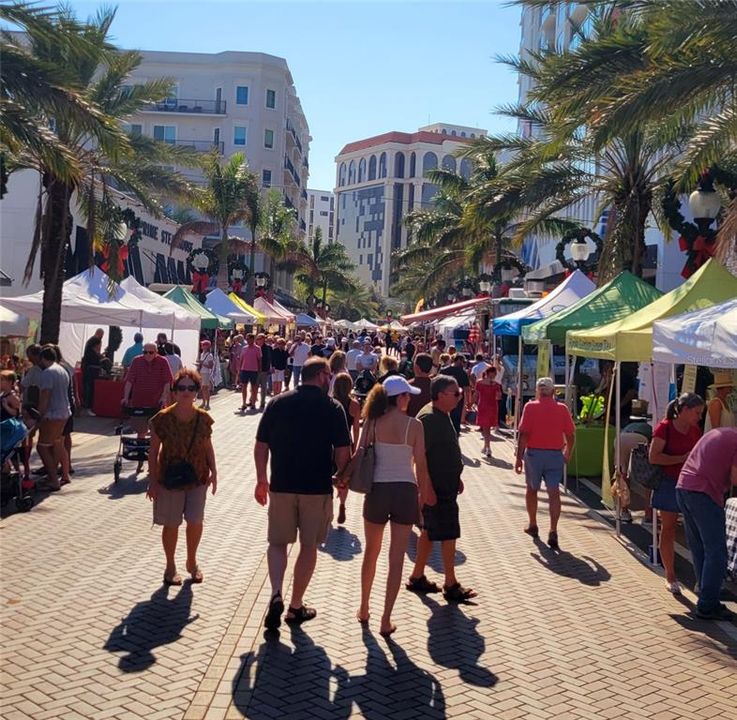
[[398, 385], [546, 383]]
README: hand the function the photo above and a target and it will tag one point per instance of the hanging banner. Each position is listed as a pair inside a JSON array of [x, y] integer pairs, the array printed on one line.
[[543, 359], [688, 384]]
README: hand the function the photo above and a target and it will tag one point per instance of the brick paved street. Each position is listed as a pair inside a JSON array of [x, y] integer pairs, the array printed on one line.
[[88, 631]]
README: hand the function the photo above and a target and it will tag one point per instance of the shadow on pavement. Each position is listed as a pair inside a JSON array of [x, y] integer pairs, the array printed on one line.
[[584, 569], [435, 561], [150, 624], [454, 641], [132, 484], [279, 681], [714, 632], [471, 462], [498, 462], [341, 544]]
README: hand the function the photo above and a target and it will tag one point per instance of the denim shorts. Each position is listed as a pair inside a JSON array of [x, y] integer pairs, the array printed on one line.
[[544, 465], [248, 376]]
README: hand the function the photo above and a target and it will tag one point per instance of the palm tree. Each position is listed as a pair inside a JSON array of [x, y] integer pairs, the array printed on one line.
[[278, 230], [134, 165], [353, 303]]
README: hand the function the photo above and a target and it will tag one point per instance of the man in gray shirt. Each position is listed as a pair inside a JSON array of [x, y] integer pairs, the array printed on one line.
[[54, 409]]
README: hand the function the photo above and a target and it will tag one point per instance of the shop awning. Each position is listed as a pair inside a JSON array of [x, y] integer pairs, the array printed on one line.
[[620, 297], [445, 310], [631, 339]]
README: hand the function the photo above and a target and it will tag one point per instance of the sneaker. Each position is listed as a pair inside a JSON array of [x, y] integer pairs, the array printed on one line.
[[721, 612], [674, 588]]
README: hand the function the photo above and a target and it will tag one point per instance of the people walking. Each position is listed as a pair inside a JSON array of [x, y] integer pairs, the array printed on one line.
[[441, 522], [147, 385], [342, 392], [488, 392], [133, 351], [706, 477], [181, 433], [304, 432], [250, 366], [299, 352], [279, 357], [206, 367], [718, 412], [673, 439], [400, 473], [544, 445], [351, 358], [422, 367], [457, 370], [264, 369]]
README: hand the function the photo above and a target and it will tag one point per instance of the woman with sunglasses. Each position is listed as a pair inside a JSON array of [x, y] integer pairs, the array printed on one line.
[[181, 432]]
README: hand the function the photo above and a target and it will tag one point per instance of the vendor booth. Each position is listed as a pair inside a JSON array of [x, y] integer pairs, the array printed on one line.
[[219, 303], [239, 302], [271, 315], [307, 321], [12, 324], [445, 310], [208, 320], [364, 324]]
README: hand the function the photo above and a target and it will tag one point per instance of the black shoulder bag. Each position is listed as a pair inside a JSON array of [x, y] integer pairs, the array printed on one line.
[[648, 475], [181, 474]]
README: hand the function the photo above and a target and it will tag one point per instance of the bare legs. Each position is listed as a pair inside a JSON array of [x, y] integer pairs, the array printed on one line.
[[486, 433], [531, 505], [169, 537], [276, 557], [448, 553], [205, 393], [554, 506], [397, 547], [668, 522], [304, 567]]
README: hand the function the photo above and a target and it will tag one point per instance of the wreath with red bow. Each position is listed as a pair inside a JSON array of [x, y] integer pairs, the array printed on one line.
[[202, 263], [237, 274]]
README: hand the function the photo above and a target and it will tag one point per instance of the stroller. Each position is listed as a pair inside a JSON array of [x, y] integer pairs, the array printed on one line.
[[12, 485], [131, 446]]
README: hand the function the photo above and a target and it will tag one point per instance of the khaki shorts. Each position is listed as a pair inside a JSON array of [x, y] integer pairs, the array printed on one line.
[[288, 512], [170, 506], [49, 431]]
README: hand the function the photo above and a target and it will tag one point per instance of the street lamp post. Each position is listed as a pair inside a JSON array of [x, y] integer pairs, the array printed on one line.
[[705, 203], [580, 251]]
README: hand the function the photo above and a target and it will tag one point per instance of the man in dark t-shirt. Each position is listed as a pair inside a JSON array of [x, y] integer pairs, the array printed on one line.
[[459, 374], [422, 379], [445, 465], [304, 432]]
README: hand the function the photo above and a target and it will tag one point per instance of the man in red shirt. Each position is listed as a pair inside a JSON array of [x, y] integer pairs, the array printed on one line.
[[147, 385], [546, 437], [250, 365]]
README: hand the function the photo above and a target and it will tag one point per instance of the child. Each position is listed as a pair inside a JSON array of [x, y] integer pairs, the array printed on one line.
[[488, 394]]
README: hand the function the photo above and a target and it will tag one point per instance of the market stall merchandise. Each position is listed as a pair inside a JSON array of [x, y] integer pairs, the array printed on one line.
[[703, 337], [208, 320]]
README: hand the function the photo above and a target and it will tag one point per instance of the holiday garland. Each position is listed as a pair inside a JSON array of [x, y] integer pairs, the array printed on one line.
[[579, 234]]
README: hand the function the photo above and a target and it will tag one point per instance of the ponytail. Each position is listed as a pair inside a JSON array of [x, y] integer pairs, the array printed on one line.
[[377, 403], [685, 400]]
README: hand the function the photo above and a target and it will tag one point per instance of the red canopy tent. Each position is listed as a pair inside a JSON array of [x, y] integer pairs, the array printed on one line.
[[444, 311]]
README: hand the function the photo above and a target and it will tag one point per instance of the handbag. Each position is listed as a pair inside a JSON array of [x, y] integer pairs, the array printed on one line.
[[362, 476], [642, 470], [181, 474]]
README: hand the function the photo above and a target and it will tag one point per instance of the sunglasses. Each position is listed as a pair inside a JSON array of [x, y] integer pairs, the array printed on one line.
[[149, 352], [186, 388]]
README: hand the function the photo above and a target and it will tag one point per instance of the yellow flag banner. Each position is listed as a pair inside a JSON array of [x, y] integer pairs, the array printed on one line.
[[543, 359], [606, 478]]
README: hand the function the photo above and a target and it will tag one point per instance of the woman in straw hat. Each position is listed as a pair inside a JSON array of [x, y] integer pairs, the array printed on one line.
[[718, 413]]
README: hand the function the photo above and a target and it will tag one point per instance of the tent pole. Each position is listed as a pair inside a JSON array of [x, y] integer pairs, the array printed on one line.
[[617, 450], [518, 405], [568, 405]]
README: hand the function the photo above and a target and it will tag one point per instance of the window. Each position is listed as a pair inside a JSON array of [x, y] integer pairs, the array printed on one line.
[[324, 198], [271, 99], [134, 130], [241, 95], [269, 139], [312, 201], [266, 178], [165, 133], [239, 135], [312, 216], [324, 213]]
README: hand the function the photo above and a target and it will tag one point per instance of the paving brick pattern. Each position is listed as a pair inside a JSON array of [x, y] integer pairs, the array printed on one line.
[[89, 632]]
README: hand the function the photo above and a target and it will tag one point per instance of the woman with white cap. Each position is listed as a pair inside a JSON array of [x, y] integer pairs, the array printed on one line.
[[205, 365], [401, 482], [718, 413]]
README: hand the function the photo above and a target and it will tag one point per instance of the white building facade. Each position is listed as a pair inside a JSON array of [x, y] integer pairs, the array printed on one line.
[[321, 214], [381, 179], [555, 26]]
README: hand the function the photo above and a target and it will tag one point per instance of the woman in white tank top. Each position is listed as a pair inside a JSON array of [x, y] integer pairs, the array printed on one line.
[[401, 483], [718, 413]]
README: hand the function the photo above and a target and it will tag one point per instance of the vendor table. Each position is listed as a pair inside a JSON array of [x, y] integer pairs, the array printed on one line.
[[588, 451], [107, 398], [730, 510]]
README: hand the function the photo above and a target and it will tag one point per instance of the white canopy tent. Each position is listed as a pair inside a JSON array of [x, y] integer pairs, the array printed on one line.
[[447, 325], [87, 304], [703, 337], [219, 303], [364, 324], [12, 324]]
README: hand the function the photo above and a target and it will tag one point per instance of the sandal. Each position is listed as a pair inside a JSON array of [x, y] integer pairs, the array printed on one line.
[[196, 574], [273, 615], [296, 616], [175, 579], [553, 541], [362, 620], [532, 531], [457, 593], [390, 631], [422, 586]]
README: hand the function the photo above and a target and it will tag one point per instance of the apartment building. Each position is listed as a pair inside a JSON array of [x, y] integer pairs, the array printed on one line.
[[382, 178], [321, 214]]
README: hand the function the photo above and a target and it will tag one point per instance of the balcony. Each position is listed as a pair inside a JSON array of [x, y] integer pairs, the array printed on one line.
[[187, 106], [293, 133], [293, 173], [289, 203], [304, 194], [302, 226], [201, 145]]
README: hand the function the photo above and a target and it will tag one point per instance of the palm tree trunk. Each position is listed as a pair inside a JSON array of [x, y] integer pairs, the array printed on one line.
[[251, 292], [324, 291], [499, 240], [57, 233]]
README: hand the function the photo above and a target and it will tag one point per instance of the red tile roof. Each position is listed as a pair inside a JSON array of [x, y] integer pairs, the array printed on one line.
[[402, 137]]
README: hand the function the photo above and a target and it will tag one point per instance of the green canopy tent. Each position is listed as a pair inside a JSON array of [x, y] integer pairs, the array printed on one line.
[[210, 321]]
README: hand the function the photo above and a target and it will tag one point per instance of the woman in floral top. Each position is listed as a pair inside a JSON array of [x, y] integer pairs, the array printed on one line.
[[181, 432]]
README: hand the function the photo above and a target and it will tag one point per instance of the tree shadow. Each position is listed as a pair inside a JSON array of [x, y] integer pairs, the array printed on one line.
[[454, 641], [341, 544], [150, 624], [584, 569], [435, 561]]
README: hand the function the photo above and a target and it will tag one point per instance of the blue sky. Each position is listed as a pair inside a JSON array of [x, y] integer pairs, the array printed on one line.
[[360, 68]]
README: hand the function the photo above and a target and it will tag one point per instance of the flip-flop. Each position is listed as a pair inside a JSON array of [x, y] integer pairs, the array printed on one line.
[[387, 633], [196, 575], [175, 579], [363, 620]]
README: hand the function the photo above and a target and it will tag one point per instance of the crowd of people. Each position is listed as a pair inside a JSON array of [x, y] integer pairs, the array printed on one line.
[[324, 401]]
